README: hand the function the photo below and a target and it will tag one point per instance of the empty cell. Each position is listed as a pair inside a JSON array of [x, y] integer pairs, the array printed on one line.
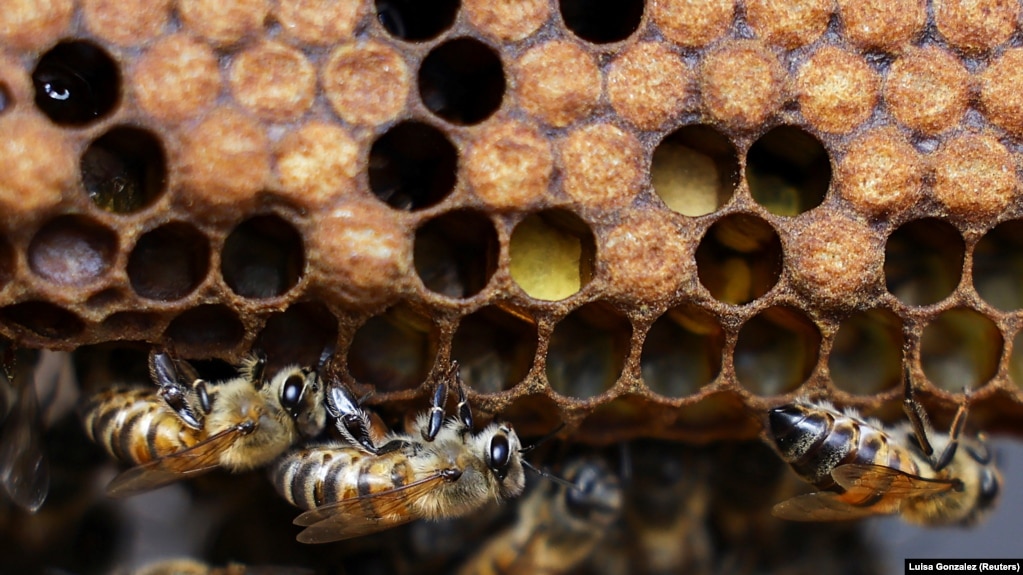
[[393, 351], [495, 348], [776, 351], [169, 262], [998, 266], [682, 352], [416, 20], [72, 250], [462, 81], [263, 257], [456, 253], [552, 254], [205, 328], [76, 83], [44, 319], [299, 334], [124, 170], [739, 259], [695, 170], [1016, 360], [587, 351], [602, 21], [788, 171], [960, 349], [412, 166], [923, 260], [866, 357]]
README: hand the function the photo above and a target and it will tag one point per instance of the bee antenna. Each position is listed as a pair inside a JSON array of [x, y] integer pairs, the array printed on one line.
[[548, 476], [543, 439]]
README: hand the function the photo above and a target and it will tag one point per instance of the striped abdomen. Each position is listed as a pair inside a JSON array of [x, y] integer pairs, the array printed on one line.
[[135, 425], [315, 476], [816, 440]]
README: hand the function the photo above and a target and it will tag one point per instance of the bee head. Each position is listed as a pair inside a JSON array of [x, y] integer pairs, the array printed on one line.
[[301, 397], [503, 459]]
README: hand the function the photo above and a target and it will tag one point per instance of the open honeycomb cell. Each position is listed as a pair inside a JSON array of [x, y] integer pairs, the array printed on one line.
[[642, 219]]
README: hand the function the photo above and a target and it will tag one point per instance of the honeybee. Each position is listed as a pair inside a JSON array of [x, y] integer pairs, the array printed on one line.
[[187, 427], [863, 469], [440, 469], [194, 567], [558, 526]]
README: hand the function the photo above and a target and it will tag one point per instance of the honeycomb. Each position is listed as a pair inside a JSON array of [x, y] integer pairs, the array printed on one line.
[[644, 219]]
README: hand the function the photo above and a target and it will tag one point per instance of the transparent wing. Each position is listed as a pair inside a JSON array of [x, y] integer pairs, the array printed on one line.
[[825, 506], [195, 460], [861, 479], [24, 472], [366, 514]]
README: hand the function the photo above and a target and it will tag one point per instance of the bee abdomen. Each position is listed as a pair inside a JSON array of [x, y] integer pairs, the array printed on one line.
[[813, 441], [125, 423], [312, 477]]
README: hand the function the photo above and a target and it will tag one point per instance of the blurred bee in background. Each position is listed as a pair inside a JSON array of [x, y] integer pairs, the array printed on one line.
[[863, 469], [24, 471], [187, 427], [558, 526], [194, 567], [438, 469]]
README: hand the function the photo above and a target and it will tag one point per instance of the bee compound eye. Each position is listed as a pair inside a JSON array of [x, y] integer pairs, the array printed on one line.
[[291, 393], [989, 487], [500, 455]]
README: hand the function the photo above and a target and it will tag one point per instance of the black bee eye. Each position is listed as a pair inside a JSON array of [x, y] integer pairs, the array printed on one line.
[[989, 487], [291, 393], [500, 454]]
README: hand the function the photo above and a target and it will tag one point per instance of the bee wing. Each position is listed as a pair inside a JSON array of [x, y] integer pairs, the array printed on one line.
[[823, 506], [24, 472], [365, 514], [195, 460]]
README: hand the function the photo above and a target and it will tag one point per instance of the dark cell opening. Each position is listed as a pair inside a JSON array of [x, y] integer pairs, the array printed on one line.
[[202, 329], [76, 83], [552, 254], [169, 262], [587, 351], [415, 20], [412, 166], [124, 170], [602, 21], [456, 253], [7, 262], [682, 352], [776, 351], [960, 349], [5, 98], [739, 259], [788, 171], [44, 319], [695, 170], [462, 81], [72, 250], [263, 257], [923, 260], [866, 357], [300, 334], [494, 348], [998, 266], [393, 351]]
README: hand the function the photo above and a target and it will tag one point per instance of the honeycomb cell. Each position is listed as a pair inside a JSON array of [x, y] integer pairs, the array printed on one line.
[[76, 83], [998, 266], [318, 22], [354, 70], [552, 254], [974, 176], [412, 166], [837, 90], [976, 25], [8, 259], [534, 412], [682, 352], [602, 21], [462, 81], [1000, 96], [1016, 360], [647, 257], [884, 25], [72, 250], [788, 171], [201, 329], [44, 319], [33, 24], [789, 24], [866, 357], [392, 351], [131, 322], [557, 82], [124, 170], [835, 260], [169, 262], [927, 89], [602, 166], [455, 254], [224, 23], [226, 158], [695, 170], [776, 351], [507, 20], [648, 84], [739, 259], [416, 20], [693, 24], [923, 261], [176, 79], [742, 83], [30, 181], [299, 334], [126, 22], [510, 165], [959, 349], [5, 98], [273, 81], [263, 257], [587, 351], [881, 173], [495, 348], [317, 163]]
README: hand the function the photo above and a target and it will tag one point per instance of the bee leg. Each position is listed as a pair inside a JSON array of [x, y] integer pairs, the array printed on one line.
[[436, 416], [953, 435], [917, 417], [464, 411], [352, 421], [255, 369], [176, 399], [203, 395]]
